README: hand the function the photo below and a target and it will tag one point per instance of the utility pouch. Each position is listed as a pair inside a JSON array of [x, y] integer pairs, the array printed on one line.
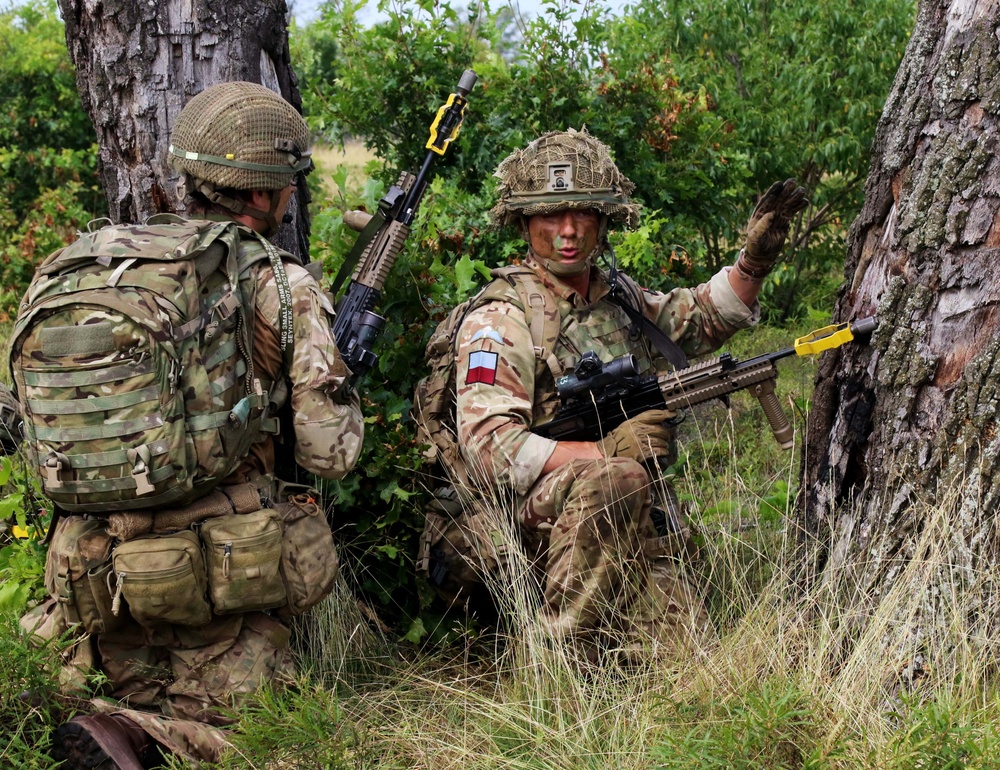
[[243, 552], [101, 585], [78, 573], [309, 563], [487, 541], [162, 578]]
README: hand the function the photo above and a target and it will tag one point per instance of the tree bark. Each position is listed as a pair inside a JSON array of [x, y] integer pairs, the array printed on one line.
[[137, 65], [903, 432]]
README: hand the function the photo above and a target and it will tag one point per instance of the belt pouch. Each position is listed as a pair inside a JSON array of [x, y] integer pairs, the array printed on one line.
[[243, 552], [162, 578]]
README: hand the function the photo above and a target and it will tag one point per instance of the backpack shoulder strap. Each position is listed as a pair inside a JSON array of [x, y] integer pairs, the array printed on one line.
[[540, 311], [255, 248]]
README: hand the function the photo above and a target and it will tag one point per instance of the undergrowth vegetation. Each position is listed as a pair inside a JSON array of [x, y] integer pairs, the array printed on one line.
[[795, 675]]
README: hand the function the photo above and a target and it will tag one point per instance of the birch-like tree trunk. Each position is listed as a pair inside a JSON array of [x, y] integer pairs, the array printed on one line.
[[138, 63], [901, 466]]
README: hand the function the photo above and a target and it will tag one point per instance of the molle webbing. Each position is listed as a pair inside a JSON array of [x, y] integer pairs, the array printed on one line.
[[95, 403], [132, 361]]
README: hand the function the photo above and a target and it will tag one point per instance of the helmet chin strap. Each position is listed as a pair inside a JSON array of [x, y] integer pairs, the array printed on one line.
[[239, 207]]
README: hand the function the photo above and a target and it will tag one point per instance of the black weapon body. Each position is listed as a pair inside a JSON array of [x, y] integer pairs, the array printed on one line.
[[589, 414], [383, 234], [598, 397]]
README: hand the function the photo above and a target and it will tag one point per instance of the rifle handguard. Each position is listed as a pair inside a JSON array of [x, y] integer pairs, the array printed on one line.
[[356, 325]]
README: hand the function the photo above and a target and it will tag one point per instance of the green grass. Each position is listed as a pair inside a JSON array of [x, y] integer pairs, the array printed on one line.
[[824, 678]]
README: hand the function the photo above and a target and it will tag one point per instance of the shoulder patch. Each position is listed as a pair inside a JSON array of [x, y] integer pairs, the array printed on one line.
[[482, 367], [489, 333]]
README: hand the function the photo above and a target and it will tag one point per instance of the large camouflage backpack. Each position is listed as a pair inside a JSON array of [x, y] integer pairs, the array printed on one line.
[[132, 361]]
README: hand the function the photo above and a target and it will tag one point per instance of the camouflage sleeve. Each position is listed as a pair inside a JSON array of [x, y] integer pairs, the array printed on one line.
[[495, 383], [701, 319], [327, 414]]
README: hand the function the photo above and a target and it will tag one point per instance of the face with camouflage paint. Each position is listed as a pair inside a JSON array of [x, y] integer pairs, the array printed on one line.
[[564, 241]]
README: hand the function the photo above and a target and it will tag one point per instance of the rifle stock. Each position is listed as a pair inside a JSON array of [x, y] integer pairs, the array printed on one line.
[[598, 397], [383, 235]]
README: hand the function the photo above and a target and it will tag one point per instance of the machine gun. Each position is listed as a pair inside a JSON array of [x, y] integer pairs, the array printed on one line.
[[599, 397], [357, 326]]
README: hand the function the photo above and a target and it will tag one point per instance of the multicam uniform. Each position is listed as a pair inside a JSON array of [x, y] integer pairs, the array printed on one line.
[[172, 679], [587, 524]]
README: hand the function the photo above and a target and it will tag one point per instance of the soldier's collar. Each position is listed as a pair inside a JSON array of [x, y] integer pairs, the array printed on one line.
[[599, 287]]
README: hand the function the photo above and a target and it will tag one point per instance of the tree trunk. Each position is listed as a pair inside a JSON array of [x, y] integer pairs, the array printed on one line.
[[137, 65], [903, 433]]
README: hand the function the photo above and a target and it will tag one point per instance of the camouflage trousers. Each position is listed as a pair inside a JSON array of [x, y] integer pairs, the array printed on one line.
[[176, 682], [603, 542], [604, 565]]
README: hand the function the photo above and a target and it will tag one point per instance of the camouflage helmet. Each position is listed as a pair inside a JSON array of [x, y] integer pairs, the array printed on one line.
[[241, 136], [563, 170]]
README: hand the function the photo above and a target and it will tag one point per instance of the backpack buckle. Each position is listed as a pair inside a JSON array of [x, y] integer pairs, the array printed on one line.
[[54, 464], [140, 458]]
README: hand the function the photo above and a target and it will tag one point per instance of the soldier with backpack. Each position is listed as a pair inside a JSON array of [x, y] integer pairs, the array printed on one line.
[[600, 531], [149, 362]]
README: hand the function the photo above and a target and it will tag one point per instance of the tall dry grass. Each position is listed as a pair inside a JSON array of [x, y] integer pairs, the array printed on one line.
[[824, 676]]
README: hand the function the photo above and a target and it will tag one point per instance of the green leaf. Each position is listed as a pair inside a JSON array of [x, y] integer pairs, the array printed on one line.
[[13, 596], [11, 505], [465, 270], [339, 176], [391, 551], [416, 631]]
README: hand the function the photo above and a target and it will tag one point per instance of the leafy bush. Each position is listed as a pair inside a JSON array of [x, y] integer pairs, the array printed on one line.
[[22, 557], [801, 87]]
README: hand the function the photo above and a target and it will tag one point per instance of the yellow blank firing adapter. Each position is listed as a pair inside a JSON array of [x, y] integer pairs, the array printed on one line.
[[834, 336], [449, 118]]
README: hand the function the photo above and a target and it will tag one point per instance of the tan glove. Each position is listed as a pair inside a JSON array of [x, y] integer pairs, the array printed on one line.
[[643, 438], [768, 228]]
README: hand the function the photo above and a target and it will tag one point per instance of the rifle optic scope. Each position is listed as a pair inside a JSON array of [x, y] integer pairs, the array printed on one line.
[[590, 374]]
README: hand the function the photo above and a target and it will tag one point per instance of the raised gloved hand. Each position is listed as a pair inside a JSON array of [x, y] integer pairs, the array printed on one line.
[[768, 227], [643, 438]]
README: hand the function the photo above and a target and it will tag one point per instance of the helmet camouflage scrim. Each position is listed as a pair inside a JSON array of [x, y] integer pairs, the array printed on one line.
[[563, 170], [241, 136]]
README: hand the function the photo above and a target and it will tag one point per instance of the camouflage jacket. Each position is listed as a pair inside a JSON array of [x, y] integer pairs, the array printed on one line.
[[498, 397], [327, 416]]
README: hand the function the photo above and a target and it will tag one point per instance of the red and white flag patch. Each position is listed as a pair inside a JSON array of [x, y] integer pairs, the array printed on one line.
[[482, 367]]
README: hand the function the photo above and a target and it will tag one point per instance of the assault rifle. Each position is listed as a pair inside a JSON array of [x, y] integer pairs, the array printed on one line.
[[599, 397], [357, 326]]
